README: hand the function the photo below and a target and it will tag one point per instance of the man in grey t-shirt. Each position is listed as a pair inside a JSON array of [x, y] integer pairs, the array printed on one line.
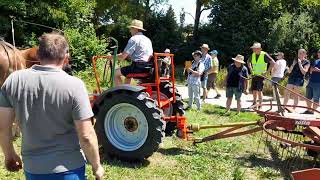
[[53, 112]]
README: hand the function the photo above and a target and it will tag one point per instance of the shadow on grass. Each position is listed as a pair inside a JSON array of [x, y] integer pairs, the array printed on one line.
[[114, 161], [175, 151]]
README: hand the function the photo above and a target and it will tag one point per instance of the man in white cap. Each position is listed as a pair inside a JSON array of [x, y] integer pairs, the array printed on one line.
[[139, 49], [258, 65], [165, 64], [213, 74], [207, 61], [236, 82]]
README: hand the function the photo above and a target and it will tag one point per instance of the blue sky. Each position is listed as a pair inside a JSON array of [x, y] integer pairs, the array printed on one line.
[[189, 7]]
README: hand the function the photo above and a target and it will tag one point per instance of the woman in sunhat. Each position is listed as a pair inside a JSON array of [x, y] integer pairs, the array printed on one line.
[[236, 82], [194, 82]]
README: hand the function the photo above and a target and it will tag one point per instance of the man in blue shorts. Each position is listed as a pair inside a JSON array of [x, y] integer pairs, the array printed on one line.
[[313, 87]]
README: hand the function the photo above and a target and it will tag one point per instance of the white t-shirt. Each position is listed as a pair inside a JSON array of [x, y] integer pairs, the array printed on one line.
[[279, 68]]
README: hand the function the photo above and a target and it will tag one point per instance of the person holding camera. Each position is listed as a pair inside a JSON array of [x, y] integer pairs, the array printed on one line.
[[194, 82]]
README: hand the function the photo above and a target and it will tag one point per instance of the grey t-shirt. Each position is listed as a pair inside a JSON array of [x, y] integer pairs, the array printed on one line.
[[46, 102]]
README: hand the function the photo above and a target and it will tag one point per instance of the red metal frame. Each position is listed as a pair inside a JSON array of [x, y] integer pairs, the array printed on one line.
[[163, 103]]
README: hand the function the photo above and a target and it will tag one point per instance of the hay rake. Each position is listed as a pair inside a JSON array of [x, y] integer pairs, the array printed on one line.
[[294, 137]]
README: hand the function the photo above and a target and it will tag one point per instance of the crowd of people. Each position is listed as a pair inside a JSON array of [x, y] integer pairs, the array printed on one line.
[[260, 65]]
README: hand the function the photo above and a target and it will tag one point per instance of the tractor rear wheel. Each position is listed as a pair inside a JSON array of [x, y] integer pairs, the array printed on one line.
[[129, 125], [174, 109]]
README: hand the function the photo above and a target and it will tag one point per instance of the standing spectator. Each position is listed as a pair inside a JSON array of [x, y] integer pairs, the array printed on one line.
[[297, 71], [206, 60], [278, 71], [236, 82], [313, 87], [213, 73], [165, 64], [54, 114], [258, 65], [194, 82]]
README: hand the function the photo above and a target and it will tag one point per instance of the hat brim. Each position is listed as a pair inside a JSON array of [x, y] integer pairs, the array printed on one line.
[[136, 27], [239, 61], [205, 47], [255, 47]]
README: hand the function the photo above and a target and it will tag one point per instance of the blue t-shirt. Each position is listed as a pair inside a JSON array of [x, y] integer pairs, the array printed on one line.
[[235, 76], [315, 76]]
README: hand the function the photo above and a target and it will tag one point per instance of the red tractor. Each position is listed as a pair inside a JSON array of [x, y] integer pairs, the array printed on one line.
[[131, 120]]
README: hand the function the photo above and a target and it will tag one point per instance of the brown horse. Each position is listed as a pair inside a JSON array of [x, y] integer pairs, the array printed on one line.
[[12, 59]]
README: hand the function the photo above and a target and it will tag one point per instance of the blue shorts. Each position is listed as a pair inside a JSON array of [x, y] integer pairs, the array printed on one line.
[[76, 174], [230, 91], [313, 93], [204, 82], [296, 81], [275, 79]]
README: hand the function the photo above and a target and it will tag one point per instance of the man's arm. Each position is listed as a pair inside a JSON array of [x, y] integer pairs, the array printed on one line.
[[305, 69], [122, 56], [81, 114], [271, 62], [315, 69], [250, 66], [89, 145], [12, 160]]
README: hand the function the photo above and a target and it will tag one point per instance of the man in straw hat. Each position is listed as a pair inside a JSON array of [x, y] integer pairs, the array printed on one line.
[[206, 60], [258, 65], [139, 49], [236, 82]]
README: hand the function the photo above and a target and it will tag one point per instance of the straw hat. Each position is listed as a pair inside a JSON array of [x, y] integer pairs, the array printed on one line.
[[256, 45], [239, 58], [167, 50], [205, 46], [137, 24]]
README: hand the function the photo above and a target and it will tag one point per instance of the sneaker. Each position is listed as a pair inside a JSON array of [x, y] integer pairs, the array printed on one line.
[[307, 112], [217, 96]]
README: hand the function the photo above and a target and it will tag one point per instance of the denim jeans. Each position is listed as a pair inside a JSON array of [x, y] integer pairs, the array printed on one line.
[[194, 94], [76, 174]]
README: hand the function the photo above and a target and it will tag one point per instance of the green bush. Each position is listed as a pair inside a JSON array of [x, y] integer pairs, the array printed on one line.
[[83, 45]]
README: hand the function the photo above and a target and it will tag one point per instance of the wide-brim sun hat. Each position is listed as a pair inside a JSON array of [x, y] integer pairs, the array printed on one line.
[[256, 45], [239, 58], [137, 24], [197, 52], [206, 46]]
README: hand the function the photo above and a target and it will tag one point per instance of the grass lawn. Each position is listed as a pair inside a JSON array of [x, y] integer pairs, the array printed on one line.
[[234, 158]]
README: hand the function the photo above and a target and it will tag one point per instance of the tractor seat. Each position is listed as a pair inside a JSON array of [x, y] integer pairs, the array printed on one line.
[[139, 75]]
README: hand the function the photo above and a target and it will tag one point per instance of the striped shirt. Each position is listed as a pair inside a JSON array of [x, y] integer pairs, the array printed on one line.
[[207, 61]]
